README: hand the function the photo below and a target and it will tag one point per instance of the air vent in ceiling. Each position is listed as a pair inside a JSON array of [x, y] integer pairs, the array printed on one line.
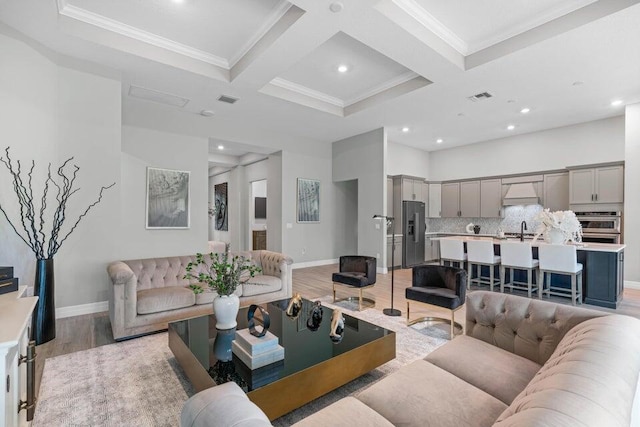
[[480, 96], [227, 99], [157, 96]]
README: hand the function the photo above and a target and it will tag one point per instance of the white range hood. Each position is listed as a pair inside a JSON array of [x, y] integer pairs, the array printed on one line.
[[521, 194]]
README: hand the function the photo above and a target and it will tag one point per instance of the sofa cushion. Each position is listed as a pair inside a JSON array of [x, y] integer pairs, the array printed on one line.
[[421, 394], [589, 380], [347, 412], [163, 299], [357, 280], [207, 295], [500, 373], [261, 284], [442, 297]]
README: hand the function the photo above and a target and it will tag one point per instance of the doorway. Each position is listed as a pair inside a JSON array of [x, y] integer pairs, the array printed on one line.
[[258, 215]]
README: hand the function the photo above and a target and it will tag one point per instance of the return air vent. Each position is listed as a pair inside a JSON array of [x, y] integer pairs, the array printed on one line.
[[157, 96], [227, 99], [480, 96]]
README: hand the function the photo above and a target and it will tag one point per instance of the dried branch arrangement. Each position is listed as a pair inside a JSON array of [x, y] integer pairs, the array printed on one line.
[[33, 219]]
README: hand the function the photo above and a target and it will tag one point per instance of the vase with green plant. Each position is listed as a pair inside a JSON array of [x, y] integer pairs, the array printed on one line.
[[38, 216], [222, 273]]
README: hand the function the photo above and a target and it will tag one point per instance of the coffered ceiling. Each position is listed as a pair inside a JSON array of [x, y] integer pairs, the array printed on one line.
[[411, 63]]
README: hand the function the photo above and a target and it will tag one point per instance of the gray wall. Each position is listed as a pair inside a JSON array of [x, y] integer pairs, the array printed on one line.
[[345, 236], [632, 194], [363, 158], [142, 148]]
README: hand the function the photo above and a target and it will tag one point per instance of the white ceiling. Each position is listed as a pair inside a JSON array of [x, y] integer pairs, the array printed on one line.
[[598, 44]]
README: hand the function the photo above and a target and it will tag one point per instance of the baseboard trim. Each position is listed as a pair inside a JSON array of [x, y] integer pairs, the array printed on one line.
[[630, 284], [78, 310], [314, 263]]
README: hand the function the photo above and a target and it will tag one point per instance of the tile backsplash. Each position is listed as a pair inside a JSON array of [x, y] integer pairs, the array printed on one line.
[[513, 216]]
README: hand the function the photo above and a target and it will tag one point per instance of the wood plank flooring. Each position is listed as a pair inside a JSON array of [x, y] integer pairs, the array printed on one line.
[[93, 330]]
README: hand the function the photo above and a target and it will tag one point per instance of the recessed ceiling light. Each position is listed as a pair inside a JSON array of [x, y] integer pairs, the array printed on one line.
[[439, 140], [405, 129], [525, 110], [511, 127], [343, 68], [336, 7], [220, 147], [616, 102]]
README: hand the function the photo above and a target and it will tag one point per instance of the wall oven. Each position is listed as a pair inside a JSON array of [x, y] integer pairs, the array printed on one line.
[[600, 227]]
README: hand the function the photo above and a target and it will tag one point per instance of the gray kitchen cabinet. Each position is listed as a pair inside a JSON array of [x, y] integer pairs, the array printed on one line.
[[556, 191], [491, 198], [406, 188], [597, 185], [450, 200], [413, 189], [470, 199], [435, 202], [425, 195], [431, 248], [427, 248], [408, 192], [397, 258]]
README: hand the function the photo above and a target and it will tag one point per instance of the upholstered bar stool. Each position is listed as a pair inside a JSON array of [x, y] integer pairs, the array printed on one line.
[[452, 250], [559, 259], [357, 272], [517, 256], [479, 254]]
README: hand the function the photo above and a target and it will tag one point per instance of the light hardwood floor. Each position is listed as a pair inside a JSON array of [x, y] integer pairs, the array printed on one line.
[[89, 331]]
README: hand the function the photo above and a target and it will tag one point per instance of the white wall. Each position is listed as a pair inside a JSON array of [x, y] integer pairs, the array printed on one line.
[[632, 194], [363, 158], [405, 160], [49, 112], [142, 148], [592, 142]]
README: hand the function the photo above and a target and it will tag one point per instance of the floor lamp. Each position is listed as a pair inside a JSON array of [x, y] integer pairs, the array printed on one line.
[[390, 311]]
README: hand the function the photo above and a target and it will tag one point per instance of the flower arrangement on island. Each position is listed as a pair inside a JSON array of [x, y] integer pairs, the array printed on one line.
[[559, 226]]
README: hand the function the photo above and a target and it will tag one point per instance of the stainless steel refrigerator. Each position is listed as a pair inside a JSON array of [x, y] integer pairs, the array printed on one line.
[[413, 229]]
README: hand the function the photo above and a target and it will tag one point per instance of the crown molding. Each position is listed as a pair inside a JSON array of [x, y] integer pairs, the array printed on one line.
[[118, 27], [398, 80], [276, 14], [304, 90], [418, 13]]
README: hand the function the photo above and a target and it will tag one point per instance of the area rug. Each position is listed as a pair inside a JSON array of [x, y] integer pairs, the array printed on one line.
[[139, 383]]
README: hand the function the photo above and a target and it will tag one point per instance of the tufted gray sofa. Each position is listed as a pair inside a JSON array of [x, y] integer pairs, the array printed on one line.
[[521, 362], [149, 293]]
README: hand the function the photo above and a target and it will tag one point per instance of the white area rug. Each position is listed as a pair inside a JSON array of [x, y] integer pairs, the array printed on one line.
[[139, 383]]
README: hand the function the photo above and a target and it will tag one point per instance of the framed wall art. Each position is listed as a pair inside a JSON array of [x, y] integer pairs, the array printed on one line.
[[168, 199], [308, 200], [220, 209]]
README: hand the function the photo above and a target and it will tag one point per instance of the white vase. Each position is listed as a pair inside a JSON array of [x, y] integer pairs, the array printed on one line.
[[555, 237], [226, 308]]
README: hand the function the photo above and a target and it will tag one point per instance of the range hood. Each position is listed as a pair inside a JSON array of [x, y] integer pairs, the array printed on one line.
[[521, 194]]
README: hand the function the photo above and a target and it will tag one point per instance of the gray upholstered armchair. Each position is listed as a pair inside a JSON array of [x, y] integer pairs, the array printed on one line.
[[439, 287], [356, 271]]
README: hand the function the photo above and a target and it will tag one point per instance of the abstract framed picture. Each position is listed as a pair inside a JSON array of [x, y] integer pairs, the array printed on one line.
[[220, 200], [168, 199], [308, 200]]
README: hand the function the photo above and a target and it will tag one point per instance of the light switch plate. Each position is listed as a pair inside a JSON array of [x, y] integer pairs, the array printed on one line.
[[289, 225]]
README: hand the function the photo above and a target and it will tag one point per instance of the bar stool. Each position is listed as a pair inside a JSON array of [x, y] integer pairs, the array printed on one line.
[[517, 256], [560, 259], [452, 250], [479, 254]]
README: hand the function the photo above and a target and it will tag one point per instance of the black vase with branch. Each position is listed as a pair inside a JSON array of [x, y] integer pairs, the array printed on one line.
[[43, 231]]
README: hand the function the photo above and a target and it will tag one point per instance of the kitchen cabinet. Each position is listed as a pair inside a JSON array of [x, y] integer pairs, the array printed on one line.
[[556, 191], [407, 188], [603, 278], [414, 190], [597, 185], [435, 194], [491, 198], [431, 249], [450, 200], [397, 258], [460, 199]]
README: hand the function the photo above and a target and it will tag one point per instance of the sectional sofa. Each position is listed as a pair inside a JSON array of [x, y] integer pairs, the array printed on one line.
[[147, 294], [521, 362]]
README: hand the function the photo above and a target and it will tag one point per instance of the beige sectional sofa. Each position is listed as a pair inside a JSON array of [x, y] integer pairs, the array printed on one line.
[[148, 293], [521, 362]]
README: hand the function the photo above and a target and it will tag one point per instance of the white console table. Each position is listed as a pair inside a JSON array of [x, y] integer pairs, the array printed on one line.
[[15, 325]]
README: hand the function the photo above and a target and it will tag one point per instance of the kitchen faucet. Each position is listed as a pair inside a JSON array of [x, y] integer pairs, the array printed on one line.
[[523, 226]]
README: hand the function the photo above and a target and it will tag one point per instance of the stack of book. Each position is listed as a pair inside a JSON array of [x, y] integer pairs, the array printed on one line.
[[8, 283], [257, 352], [256, 378]]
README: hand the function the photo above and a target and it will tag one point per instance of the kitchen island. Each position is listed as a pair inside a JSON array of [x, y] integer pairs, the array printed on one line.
[[603, 268]]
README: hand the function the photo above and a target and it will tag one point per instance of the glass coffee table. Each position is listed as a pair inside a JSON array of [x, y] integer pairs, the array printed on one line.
[[313, 364]]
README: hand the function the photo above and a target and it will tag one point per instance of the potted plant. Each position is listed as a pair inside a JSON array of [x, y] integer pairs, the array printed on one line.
[[223, 273], [559, 227]]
